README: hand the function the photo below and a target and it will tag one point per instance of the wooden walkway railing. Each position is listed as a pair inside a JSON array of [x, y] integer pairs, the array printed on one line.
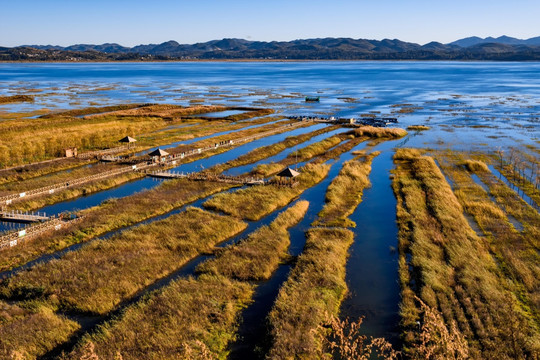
[[51, 189], [19, 216], [208, 177], [85, 155], [13, 238]]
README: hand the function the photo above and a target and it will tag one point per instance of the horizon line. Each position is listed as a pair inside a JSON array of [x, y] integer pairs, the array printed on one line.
[[270, 41]]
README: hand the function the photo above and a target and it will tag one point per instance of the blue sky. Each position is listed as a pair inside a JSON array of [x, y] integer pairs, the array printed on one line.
[[132, 22]]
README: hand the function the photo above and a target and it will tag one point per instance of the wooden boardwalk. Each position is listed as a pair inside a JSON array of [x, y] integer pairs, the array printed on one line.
[[14, 238], [208, 177]]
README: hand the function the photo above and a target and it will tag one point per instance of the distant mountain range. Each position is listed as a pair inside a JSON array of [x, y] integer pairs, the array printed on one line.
[[475, 40], [503, 48]]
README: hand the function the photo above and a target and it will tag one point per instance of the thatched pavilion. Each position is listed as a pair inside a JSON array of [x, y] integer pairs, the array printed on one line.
[[128, 139], [288, 173]]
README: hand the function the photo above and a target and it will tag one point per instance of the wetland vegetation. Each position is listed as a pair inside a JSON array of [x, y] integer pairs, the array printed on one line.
[[449, 267], [345, 192], [201, 269]]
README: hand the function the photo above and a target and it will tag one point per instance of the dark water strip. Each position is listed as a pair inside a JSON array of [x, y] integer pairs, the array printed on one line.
[[372, 269], [6, 226], [515, 188], [253, 341], [518, 225]]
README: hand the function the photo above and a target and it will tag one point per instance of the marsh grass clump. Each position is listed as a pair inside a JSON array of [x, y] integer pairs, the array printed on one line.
[[314, 290], [407, 154], [189, 319], [267, 169], [255, 202], [345, 192], [93, 110], [256, 257], [29, 332], [345, 340], [96, 278], [418, 127], [475, 165], [316, 149], [164, 111], [16, 99], [437, 340], [377, 132]]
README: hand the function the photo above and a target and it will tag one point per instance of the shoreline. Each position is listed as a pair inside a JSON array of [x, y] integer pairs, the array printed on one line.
[[260, 60]]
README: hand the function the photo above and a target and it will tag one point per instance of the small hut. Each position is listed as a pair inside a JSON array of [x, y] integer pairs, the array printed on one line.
[[158, 153], [128, 139], [71, 152], [288, 173], [286, 177]]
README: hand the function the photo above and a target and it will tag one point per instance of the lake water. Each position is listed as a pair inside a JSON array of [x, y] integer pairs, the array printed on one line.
[[469, 105], [495, 98]]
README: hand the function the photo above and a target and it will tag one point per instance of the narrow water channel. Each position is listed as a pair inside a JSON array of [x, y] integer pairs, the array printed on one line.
[[372, 269], [516, 189]]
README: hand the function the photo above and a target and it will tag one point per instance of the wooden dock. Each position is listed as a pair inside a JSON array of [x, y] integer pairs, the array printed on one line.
[[23, 217]]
